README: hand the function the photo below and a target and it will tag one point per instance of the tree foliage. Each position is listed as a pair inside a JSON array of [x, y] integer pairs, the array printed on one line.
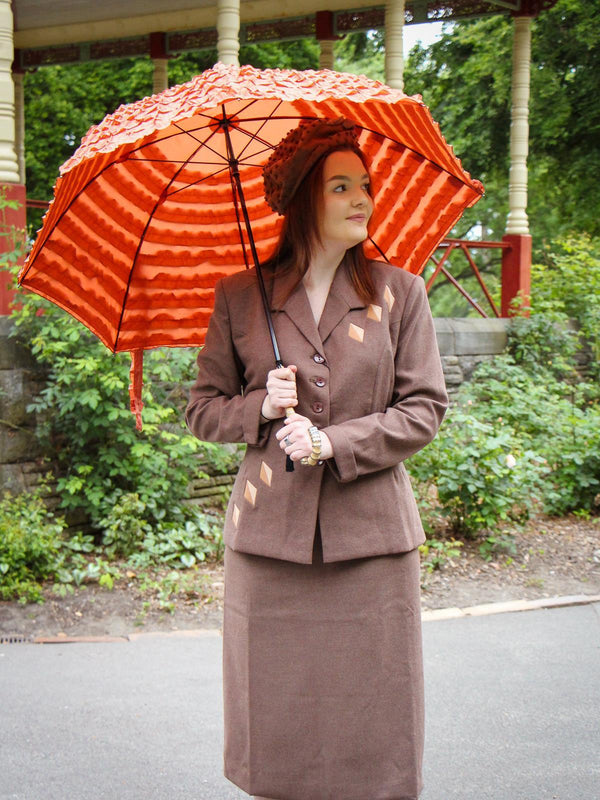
[[63, 101], [465, 78], [362, 53]]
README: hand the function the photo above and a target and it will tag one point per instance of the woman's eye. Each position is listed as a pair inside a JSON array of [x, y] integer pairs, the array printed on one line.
[[367, 187], [340, 188]]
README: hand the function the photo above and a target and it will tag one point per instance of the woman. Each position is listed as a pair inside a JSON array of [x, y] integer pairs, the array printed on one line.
[[323, 683]]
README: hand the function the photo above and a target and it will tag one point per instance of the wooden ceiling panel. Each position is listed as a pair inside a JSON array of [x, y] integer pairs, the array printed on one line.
[[48, 13]]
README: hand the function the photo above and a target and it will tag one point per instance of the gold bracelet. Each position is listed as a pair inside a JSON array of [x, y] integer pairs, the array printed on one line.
[[315, 438]]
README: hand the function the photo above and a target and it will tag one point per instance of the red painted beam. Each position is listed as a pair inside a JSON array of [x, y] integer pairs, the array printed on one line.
[[12, 231]]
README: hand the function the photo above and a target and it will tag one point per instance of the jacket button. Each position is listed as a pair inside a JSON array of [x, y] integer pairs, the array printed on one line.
[[318, 359], [320, 382], [317, 407]]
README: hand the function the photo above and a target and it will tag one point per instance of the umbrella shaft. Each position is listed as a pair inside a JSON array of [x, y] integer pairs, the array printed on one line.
[[235, 174]]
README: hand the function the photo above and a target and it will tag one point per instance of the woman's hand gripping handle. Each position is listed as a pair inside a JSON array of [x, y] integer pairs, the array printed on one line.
[[281, 393], [281, 398]]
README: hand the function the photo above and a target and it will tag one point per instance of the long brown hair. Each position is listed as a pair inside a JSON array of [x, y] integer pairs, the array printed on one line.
[[300, 234]]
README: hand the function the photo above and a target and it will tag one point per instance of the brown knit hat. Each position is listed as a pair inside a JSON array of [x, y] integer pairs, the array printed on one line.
[[299, 151]]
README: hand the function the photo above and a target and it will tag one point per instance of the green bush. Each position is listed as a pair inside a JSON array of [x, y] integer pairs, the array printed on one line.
[[557, 420], [124, 527], [572, 453], [85, 421], [193, 538], [481, 475], [566, 285], [30, 546], [544, 345], [183, 544]]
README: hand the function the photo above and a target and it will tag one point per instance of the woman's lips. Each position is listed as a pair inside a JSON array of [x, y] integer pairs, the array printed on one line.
[[358, 218]]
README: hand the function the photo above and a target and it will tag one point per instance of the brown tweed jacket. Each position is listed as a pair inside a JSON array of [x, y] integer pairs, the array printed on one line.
[[369, 375]]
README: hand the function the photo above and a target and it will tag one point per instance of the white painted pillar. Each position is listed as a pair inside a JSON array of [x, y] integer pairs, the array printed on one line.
[[394, 53], [517, 221], [18, 78], [228, 31], [9, 167], [326, 57], [160, 76]]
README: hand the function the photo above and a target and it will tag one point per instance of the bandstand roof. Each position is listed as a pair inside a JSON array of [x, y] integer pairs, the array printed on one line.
[[44, 29]]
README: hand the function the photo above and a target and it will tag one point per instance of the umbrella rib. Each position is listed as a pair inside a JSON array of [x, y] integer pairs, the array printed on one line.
[[251, 136], [166, 161], [379, 250], [254, 137], [171, 136], [65, 210], [195, 183], [367, 130], [172, 161], [209, 119], [195, 138], [416, 152], [203, 143], [160, 199]]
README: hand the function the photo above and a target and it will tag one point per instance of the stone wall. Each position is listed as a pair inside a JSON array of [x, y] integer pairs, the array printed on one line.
[[463, 344], [21, 460]]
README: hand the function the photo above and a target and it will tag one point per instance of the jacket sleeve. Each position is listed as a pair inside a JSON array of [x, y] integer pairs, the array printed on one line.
[[419, 402], [219, 410]]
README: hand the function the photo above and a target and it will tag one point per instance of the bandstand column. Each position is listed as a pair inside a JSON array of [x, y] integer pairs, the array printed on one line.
[[326, 55], [12, 221], [160, 62], [228, 31], [18, 80], [326, 37], [516, 261], [394, 44], [517, 221]]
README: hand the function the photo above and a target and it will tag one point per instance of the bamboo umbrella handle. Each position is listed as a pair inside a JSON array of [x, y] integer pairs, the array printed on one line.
[[289, 464]]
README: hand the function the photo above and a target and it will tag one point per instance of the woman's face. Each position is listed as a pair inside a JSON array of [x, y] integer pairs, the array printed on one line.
[[347, 205]]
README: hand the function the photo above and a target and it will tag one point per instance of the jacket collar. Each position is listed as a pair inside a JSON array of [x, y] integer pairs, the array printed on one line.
[[341, 299]]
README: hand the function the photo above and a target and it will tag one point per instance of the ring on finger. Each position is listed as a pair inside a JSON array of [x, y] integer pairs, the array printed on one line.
[[286, 441]]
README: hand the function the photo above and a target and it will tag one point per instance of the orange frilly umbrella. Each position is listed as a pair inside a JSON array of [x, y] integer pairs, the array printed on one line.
[[165, 196]]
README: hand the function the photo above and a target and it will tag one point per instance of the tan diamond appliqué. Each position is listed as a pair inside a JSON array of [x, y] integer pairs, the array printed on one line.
[[389, 298], [354, 332], [250, 493], [266, 473], [374, 312], [235, 515]]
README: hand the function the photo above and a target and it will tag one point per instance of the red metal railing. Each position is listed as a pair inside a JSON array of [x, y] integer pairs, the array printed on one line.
[[464, 246], [31, 203]]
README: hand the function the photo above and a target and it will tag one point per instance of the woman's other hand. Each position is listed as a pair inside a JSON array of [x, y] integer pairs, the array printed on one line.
[[295, 441], [281, 392]]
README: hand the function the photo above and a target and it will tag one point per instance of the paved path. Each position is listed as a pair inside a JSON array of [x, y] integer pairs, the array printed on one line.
[[513, 713]]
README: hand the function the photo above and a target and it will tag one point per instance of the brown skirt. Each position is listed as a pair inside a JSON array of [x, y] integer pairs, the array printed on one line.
[[323, 677]]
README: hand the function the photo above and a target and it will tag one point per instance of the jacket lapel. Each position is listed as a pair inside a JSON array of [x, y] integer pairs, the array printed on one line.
[[296, 307], [342, 298]]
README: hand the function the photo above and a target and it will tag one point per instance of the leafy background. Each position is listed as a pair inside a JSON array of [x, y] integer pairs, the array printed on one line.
[[522, 436]]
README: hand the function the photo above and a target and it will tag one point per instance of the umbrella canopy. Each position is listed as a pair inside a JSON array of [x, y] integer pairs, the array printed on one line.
[[146, 218]]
